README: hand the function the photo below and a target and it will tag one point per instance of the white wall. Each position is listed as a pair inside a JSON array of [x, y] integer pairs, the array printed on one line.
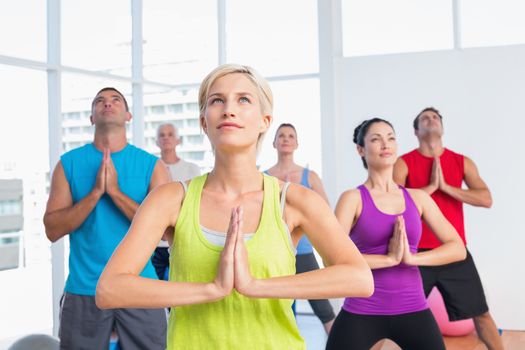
[[481, 94]]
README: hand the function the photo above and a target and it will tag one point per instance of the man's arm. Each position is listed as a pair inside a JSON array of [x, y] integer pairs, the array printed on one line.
[[61, 216], [317, 185], [477, 192], [401, 174], [123, 202]]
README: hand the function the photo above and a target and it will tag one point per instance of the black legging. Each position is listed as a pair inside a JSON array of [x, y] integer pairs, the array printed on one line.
[[412, 331]]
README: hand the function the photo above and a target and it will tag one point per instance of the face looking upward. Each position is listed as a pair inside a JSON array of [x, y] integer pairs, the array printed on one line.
[[109, 108], [429, 123], [233, 117], [380, 147]]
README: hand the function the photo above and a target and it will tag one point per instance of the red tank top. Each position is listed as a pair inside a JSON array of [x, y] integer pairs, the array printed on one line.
[[419, 170]]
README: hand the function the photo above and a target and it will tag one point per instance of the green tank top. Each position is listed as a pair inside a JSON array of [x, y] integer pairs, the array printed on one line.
[[235, 322]]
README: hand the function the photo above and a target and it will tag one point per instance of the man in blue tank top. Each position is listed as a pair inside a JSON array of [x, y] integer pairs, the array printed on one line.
[[95, 191]]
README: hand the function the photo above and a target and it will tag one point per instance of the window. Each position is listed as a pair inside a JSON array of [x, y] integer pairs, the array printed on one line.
[[175, 108], [24, 163], [490, 22], [180, 40], [78, 92], [23, 24], [10, 207], [272, 37], [194, 139], [193, 123], [298, 103], [374, 27], [158, 110], [193, 107], [88, 44]]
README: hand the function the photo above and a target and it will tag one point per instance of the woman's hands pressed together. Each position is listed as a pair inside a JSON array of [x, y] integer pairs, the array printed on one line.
[[234, 268]]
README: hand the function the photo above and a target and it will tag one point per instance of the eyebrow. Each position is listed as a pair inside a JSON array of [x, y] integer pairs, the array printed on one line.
[[237, 93], [98, 98], [376, 134]]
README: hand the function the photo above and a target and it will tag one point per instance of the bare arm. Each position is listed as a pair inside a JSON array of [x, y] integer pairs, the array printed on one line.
[[123, 202], [317, 185], [61, 216], [346, 274], [401, 174], [120, 284], [452, 248], [347, 212], [477, 192]]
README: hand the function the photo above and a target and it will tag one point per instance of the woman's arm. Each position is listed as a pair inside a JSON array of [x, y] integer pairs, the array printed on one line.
[[347, 212], [346, 274], [120, 284], [452, 248], [317, 185]]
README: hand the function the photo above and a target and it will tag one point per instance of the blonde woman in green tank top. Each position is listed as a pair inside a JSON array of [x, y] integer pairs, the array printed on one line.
[[235, 295]]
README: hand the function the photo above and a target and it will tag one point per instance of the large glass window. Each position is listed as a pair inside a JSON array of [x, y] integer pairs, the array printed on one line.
[[24, 168], [23, 24], [180, 46], [296, 102], [180, 40], [274, 37], [78, 92], [491, 23], [96, 35], [373, 27]]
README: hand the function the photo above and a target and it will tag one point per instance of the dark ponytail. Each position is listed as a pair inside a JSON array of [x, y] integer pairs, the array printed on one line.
[[362, 129]]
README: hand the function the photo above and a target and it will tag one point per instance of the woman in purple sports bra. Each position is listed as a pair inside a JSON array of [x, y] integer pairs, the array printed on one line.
[[384, 221]]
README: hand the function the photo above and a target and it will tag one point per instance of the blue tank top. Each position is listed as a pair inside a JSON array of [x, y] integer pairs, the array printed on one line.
[[304, 246], [398, 289], [93, 242]]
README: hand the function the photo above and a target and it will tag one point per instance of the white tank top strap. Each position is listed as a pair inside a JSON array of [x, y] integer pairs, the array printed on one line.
[[185, 186], [283, 202], [283, 196]]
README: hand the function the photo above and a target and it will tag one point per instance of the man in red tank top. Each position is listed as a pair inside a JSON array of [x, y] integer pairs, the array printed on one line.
[[441, 173]]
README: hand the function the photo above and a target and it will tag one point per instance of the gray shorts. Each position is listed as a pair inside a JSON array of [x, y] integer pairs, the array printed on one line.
[[84, 326]]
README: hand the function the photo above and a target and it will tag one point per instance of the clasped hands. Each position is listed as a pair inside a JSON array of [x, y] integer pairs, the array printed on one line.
[[437, 180], [398, 246], [107, 178], [234, 269]]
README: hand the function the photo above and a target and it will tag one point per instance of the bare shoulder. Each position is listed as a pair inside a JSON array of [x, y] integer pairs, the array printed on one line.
[[421, 198], [352, 195], [400, 162], [468, 162], [300, 197], [313, 174], [171, 192], [417, 194]]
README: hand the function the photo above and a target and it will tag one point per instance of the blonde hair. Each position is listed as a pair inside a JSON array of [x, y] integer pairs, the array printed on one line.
[[264, 93]]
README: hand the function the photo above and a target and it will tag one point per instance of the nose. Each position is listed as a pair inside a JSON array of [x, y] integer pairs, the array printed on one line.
[[229, 110]]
